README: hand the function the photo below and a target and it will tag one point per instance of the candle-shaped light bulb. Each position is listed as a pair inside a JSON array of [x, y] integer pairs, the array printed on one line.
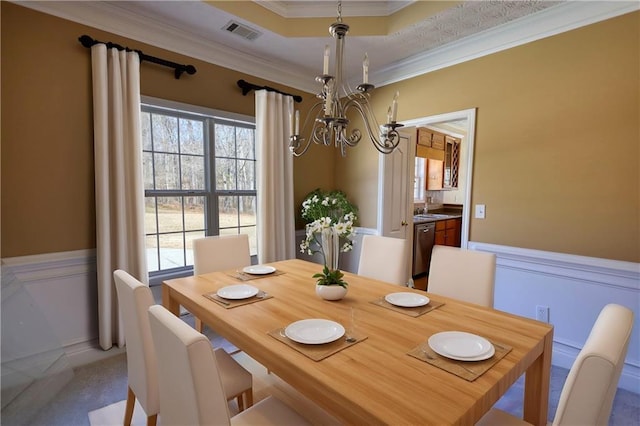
[[297, 122], [365, 69], [389, 115], [394, 107], [328, 100], [325, 63], [291, 123]]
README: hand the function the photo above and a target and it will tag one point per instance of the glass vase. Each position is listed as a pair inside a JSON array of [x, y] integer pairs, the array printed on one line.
[[330, 241]]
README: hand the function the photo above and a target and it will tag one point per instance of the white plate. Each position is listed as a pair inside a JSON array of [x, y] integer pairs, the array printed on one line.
[[259, 269], [314, 331], [461, 346], [237, 291], [406, 299]]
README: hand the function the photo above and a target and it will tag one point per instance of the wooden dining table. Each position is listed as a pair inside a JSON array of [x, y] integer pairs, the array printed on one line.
[[374, 381]]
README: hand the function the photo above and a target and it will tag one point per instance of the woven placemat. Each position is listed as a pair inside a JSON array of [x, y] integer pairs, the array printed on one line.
[[468, 370], [243, 276], [234, 303], [414, 312], [316, 352]]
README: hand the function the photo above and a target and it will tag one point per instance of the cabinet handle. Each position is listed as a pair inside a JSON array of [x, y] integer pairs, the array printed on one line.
[[404, 223]]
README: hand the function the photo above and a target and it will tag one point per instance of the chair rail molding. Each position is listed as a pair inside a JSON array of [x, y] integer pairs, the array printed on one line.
[[575, 289]]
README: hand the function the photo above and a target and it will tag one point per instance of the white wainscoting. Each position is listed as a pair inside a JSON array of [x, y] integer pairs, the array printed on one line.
[[575, 288], [63, 287]]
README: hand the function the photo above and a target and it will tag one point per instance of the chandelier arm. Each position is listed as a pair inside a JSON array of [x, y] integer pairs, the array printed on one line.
[[295, 141], [388, 140], [330, 125]]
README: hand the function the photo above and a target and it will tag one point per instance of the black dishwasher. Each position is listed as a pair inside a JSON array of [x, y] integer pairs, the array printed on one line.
[[423, 239]]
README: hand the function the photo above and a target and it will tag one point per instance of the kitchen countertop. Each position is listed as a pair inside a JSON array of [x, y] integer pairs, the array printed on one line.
[[435, 217]]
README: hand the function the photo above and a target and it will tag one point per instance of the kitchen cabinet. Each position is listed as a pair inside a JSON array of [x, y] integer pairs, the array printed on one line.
[[448, 232], [437, 141], [434, 174], [424, 136], [451, 162]]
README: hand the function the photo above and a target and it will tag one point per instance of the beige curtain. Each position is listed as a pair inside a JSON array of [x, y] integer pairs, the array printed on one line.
[[276, 227], [118, 180]]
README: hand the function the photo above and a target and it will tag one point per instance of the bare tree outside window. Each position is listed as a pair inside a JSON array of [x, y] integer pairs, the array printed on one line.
[[199, 180]]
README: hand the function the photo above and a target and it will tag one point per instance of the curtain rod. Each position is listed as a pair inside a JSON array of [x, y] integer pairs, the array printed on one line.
[[247, 87], [87, 42]]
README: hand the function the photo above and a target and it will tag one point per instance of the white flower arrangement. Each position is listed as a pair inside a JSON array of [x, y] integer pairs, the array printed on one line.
[[328, 214]]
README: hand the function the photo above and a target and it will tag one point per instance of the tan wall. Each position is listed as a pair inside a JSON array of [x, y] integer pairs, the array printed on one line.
[[557, 140], [47, 135], [557, 136]]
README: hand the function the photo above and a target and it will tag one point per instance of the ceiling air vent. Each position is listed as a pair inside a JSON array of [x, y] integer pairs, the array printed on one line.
[[241, 30]]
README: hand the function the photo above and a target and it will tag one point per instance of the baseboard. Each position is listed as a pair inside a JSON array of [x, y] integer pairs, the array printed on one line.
[[84, 353]]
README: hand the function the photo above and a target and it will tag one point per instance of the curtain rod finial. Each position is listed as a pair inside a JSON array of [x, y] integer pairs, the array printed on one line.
[[86, 41]]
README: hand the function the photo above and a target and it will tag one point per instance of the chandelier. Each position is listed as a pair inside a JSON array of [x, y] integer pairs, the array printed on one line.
[[330, 125]]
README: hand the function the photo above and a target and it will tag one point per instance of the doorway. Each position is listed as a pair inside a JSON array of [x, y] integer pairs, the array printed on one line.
[[466, 121]]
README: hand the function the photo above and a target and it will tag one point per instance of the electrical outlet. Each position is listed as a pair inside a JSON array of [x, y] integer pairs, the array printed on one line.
[[542, 313], [479, 211]]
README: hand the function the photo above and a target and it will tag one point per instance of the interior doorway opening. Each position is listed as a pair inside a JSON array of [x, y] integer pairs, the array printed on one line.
[[462, 123]]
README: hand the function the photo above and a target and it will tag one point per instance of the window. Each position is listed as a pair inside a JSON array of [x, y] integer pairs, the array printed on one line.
[[419, 183], [199, 175]]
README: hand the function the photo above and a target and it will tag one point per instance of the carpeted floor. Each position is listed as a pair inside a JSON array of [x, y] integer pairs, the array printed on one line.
[[95, 396]]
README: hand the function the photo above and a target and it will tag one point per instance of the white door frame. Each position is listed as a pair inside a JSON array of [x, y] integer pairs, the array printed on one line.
[[470, 116]]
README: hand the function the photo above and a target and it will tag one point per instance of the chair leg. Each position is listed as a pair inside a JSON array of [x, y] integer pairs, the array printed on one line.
[[198, 325], [248, 395], [240, 402], [128, 411], [151, 420]]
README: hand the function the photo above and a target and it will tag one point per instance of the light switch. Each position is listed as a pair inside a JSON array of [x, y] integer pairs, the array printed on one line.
[[479, 211]]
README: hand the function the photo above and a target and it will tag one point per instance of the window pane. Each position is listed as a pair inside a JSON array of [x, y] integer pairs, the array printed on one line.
[[165, 133], [167, 171], [171, 251], [228, 212], [150, 215], [225, 174], [247, 205], [151, 244], [147, 170], [145, 127], [225, 145], [228, 231], [246, 174], [245, 143], [192, 172], [191, 137], [169, 214], [194, 214]]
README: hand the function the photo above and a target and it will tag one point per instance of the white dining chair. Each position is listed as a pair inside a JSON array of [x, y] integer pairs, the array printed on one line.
[[384, 259], [462, 274], [219, 253], [191, 389], [588, 393], [134, 299]]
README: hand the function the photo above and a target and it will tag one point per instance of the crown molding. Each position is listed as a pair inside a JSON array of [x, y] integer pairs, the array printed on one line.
[[548, 22], [108, 17]]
